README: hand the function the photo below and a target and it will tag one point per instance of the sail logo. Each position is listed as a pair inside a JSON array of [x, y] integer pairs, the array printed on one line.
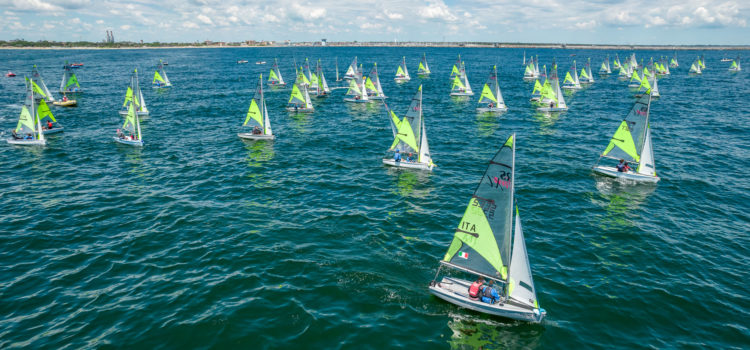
[[502, 180], [642, 111], [463, 255], [416, 108]]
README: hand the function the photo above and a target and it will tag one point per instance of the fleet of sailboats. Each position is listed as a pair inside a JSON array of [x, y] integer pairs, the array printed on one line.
[[489, 242]]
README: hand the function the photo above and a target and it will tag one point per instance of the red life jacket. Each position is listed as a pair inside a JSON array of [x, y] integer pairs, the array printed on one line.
[[474, 289]]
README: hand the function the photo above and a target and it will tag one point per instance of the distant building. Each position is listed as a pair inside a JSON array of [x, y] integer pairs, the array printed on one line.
[[323, 42]]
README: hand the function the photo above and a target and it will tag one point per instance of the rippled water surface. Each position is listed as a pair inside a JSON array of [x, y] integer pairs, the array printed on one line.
[[202, 240]]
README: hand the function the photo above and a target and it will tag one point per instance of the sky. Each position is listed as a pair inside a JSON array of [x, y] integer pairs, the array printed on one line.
[[666, 22]]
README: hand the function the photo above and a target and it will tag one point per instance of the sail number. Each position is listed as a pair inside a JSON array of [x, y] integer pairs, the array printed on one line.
[[488, 207], [503, 179]]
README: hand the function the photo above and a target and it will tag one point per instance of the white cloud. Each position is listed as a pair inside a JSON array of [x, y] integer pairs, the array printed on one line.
[[99, 21], [35, 5], [393, 15], [436, 9], [203, 18], [125, 27], [586, 25], [190, 25]]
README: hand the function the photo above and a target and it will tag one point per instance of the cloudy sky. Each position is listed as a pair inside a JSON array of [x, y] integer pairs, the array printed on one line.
[[562, 21]]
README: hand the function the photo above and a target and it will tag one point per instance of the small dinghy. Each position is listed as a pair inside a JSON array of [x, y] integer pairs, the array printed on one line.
[[532, 69], [424, 69], [241, 61], [735, 66], [357, 91], [461, 86], [489, 243], [402, 73], [29, 130], [65, 103], [631, 143], [410, 148], [257, 117], [161, 80], [274, 76], [39, 87], [605, 69], [351, 72], [69, 83], [552, 98], [10, 74], [130, 134], [134, 95], [571, 82], [372, 85], [299, 101], [491, 99], [321, 85]]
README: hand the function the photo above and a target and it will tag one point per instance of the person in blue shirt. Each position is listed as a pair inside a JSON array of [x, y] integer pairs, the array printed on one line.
[[410, 158], [397, 156], [489, 293]]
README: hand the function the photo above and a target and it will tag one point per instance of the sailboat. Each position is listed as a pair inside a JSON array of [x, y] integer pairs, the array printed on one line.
[[702, 62], [29, 130], [372, 85], [461, 86], [554, 95], [635, 80], [323, 90], [695, 68], [605, 69], [673, 62], [314, 87], [424, 68], [402, 73], [161, 80], [735, 67], [489, 242], [69, 82], [616, 62], [39, 86], [274, 76], [357, 90], [301, 79], [491, 99], [351, 72], [571, 82], [536, 93], [132, 126], [257, 117], [299, 100], [532, 70], [134, 95], [410, 137], [586, 76], [632, 143]]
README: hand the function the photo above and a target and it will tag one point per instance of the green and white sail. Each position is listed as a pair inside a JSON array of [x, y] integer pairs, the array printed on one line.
[[69, 83], [320, 79], [571, 78], [402, 73], [632, 140], [673, 62], [300, 98], [532, 69], [132, 122], [456, 70], [40, 88], [587, 77], [702, 62], [274, 76], [491, 94], [605, 69], [735, 66], [352, 71], [161, 80], [409, 133], [616, 62], [482, 241], [553, 93], [372, 84], [424, 68], [460, 85], [695, 68], [649, 86], [257, 113]]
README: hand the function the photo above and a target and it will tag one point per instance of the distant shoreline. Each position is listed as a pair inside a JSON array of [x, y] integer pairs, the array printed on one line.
[[409, 45]]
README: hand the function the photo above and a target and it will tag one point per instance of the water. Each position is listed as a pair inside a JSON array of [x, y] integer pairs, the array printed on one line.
[[202, 241]]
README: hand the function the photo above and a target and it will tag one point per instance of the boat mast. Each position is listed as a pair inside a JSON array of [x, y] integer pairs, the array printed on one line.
[[512, 203]]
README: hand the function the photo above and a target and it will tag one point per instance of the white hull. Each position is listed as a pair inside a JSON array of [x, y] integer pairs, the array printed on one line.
[[52, 131], [493, 109], [401, 80], [276, 85], [530, 77], [162, 86], [140, 113], [734, 69], [409, 165], [571, 87], [552, 109], [379, 98], [630, 175], [356, 100], [27, 142], [300, 110], [136, 143], [455, 291], [251, 136], [462, 94]]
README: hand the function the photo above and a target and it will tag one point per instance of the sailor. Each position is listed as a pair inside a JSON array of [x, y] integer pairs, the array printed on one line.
[[475, 288], [49, 124], [621, 166], [489, 294], [65, 98], [626, 167], [256, 130], [397, 156], [410, 158], [552, 104]]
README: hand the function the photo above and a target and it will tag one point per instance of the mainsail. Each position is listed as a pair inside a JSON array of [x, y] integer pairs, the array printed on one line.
[[134, 95], [628, 141], [372, 84], [351, 72], [461, 84], [29, 121], [456, 70], [300, 98], [69, 82], [482, 242], [409, 133], [323, 88], [402, 73], [39, 86]]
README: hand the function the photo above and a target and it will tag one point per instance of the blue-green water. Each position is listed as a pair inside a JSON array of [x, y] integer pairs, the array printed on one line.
[[200, 240]]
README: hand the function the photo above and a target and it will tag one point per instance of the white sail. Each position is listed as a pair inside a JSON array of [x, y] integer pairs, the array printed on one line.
[[646, 165], [424, 148], [38, 83], [521, 288]]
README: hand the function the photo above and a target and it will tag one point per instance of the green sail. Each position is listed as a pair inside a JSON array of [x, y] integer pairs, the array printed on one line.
[[297, 95], [272, 76], [734, 64], [537, 87], [568, 78], [483, 237], [25, 120], [254, 113], [43, 111], [128, 96], [72, 81], [406, 134], [37, 89], [487, 93], [583, 73], [400, 72], [157, 77], [370, 86], [457, 83], [628, 140]]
